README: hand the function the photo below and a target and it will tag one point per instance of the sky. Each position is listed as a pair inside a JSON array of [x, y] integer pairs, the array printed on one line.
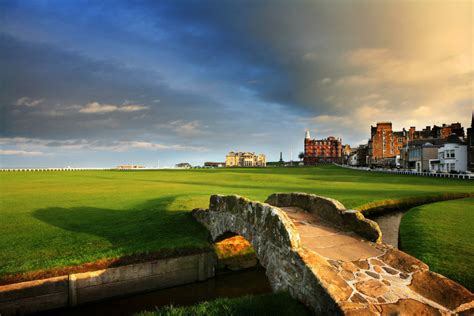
[[155, 83]]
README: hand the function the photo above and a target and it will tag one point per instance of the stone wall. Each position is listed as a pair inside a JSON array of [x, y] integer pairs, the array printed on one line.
[[79, 288], [276, 242], [331, 211]]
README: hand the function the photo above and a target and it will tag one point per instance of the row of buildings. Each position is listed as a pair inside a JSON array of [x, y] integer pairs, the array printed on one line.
[[443, 148]]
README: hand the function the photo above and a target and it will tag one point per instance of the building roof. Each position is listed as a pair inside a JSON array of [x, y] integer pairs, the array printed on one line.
[[423, 142], [454, 139]]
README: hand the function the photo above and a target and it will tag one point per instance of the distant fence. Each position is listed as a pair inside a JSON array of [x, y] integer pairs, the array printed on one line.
[[53, 169], [80, 169], [413, 173]]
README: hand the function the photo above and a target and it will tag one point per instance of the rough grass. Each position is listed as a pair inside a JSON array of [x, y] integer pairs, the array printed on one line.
[[442, 234], [57, 219], [270, 304]]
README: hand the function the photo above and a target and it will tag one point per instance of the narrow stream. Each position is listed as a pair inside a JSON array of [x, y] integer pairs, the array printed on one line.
[[390, 226], [252, 281]]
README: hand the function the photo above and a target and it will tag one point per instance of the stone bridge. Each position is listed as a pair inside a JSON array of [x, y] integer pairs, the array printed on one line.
[[332, 259]]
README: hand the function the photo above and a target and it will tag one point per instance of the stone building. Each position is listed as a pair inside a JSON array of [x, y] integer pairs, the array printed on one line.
[[245, 159], [322, 150], [385, 144]]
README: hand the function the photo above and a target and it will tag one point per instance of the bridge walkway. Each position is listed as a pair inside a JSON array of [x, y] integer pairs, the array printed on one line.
[[375, 279]]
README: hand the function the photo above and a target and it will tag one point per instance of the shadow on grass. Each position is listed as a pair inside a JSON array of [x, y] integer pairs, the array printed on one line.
[[150, 230]]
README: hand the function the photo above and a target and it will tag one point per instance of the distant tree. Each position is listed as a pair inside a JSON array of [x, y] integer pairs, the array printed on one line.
[[301, 155]]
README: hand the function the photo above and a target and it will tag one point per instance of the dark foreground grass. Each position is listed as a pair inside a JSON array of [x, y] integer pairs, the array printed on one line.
[[57, 219], [442, 235], [269, 304]]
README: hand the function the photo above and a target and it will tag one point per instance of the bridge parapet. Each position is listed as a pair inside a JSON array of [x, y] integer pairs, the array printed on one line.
[[331, 211]]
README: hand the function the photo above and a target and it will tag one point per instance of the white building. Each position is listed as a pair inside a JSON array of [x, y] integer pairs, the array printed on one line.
[[353, 159], [452, 156]]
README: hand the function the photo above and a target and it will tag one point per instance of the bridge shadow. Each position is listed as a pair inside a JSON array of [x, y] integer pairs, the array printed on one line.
[[94, 233]]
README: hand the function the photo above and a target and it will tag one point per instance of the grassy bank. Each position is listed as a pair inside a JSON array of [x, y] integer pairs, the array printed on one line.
[[442, 234], [270, 304], [57, 219]]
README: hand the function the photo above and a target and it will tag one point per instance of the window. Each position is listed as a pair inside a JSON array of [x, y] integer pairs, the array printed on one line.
[[451, 153]]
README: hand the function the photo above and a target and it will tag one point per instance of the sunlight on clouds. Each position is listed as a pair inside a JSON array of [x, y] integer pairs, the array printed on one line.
[[8, 152], [29, 102], [96, 107], [22, 146]]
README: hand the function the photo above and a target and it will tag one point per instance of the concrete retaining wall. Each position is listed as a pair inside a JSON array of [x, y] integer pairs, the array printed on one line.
[[80, 288]]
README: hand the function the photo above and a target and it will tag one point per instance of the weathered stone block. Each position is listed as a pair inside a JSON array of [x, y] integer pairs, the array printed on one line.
[[403, 261], [440, 289]]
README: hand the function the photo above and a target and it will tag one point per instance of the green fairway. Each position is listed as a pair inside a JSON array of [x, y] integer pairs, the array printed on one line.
[[442, 234], [63, 218], [270, 304]]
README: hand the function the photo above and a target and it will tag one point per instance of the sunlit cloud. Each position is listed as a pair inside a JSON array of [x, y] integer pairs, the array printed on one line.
[[96, 107], [24, 153], [31, 146], [29, 102]]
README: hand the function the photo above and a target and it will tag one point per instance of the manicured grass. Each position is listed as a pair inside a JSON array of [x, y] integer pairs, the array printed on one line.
[[56, 219], [442, 235], [270, 304]]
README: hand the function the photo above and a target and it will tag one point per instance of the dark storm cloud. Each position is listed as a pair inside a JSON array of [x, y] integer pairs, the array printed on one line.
[[67, 82]]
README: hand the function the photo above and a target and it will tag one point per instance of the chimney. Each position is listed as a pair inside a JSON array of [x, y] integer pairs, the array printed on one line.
[[306, 136]]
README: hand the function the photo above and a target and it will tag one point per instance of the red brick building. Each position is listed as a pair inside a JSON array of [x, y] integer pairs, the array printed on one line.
[[386, 143], [322, 150]]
